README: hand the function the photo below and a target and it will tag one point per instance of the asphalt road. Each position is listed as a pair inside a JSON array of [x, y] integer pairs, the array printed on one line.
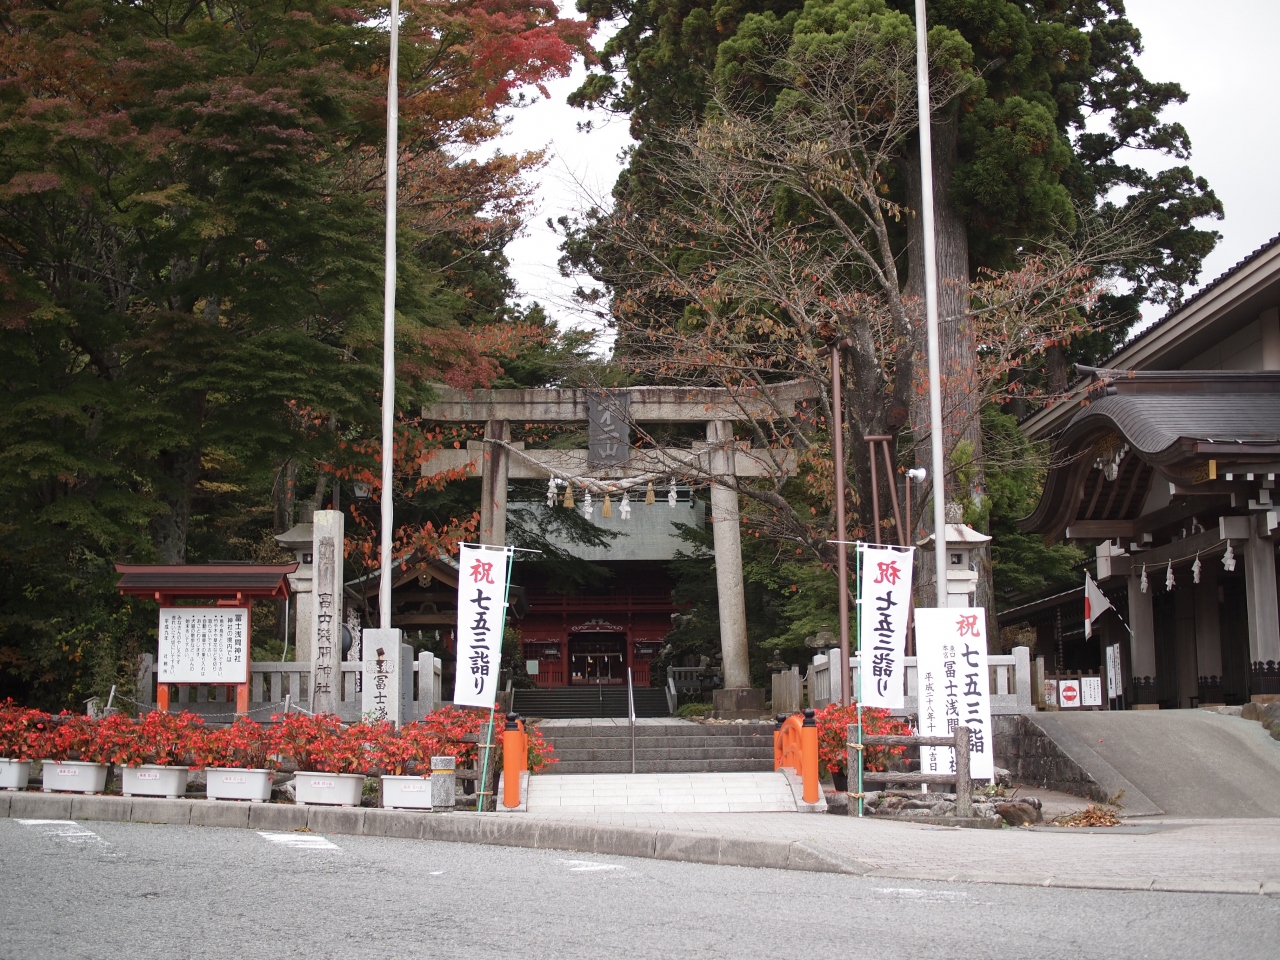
[[107, 890]]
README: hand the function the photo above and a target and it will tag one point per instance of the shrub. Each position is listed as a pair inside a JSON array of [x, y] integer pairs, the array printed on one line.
[[74, 737], [833, 739], [320, 743], [694, 709], [166, 739], [22, 731], [242, 745]]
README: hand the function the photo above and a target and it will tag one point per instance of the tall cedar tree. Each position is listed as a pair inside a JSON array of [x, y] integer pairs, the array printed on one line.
[[1013, 159], [190, 274]]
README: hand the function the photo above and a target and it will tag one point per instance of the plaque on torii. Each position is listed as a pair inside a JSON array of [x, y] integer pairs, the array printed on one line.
[[610, 415]]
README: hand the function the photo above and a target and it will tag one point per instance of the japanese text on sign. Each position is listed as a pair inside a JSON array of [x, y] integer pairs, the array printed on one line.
[[203, 645], [951, 654], [482, 592], [885, 598]]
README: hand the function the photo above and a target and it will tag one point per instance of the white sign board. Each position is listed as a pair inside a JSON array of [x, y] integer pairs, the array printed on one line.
[[939, 713], [204, 645], [953, 643], [1051, 692], [1090, 691], [482, 597], [884, 598], [1068, 693], [1113, 671]]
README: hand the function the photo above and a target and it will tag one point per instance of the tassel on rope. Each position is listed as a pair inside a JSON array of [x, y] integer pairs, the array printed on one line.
[[607, 510], [649, 498], [568, 495]]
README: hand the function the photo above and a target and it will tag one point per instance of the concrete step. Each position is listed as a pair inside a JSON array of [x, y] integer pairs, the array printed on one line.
[[658, 766], [668, 728], [664, 753], [658, 743], [692, 792]]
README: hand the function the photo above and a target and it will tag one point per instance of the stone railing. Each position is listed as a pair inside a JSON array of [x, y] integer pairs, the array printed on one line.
[[271, 683], [1010, 676]]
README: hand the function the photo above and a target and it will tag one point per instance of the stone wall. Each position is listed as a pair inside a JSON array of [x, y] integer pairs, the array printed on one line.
[[1032, 758]]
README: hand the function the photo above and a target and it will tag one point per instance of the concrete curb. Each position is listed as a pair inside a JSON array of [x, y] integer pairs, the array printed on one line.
[[1134, 803], [512, 831]]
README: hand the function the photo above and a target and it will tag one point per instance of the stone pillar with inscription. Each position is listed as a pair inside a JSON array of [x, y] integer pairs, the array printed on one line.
[[386, 659], [326, 611]]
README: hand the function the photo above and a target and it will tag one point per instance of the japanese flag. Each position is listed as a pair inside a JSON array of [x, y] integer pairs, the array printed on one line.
[[1095, 604]]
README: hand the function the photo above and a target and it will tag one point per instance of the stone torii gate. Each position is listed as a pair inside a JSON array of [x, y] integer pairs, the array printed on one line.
[[611, 464]]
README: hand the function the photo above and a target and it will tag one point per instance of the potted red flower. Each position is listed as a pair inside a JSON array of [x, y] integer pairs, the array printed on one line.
[[21, 736], [155, 751], [404, 756], [330, 759], [75, 757], [237, 760]]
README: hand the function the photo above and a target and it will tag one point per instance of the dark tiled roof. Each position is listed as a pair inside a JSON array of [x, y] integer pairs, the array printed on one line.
[[1198, 295], [1154, 422], [205, 580]]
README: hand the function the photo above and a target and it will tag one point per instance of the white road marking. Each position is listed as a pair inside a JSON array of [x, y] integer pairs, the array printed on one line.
[[436, 873], [590, 866], [67, 830], [924, 896], [300, 841]]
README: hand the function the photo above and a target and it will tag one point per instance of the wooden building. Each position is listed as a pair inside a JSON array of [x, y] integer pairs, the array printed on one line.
[[1165, 461]]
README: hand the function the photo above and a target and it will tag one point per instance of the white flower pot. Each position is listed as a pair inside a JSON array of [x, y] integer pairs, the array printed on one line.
[[235, 783], [330, 789], [153, 780], [75, 776], [406, 793], [14, 773]]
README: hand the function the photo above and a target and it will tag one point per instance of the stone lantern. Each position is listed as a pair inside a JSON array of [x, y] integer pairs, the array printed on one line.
[[962, 578], [300, 539]]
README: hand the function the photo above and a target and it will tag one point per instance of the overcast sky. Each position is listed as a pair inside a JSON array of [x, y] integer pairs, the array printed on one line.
[[1223, 54]]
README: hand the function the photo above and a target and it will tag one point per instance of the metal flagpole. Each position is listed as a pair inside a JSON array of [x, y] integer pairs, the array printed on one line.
[[931, 304], [389, 329], [857, 619], [488, 740]]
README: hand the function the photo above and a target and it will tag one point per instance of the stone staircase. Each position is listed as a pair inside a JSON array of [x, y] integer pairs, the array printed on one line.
[[586, 746], [597, 702]]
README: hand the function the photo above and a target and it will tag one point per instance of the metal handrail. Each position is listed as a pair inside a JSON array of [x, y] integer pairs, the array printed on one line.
[[631, 715]]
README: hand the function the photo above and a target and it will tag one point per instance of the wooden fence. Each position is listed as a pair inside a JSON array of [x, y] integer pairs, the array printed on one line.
[[959, 742]]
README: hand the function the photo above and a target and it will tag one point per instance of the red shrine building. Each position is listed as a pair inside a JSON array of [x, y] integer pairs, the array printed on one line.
[[590, 638]]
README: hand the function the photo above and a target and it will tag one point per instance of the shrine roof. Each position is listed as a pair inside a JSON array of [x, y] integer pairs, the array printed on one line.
[[193, 580]]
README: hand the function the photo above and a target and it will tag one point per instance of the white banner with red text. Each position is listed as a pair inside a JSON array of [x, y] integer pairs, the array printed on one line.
[[884, 605], [482, 608]]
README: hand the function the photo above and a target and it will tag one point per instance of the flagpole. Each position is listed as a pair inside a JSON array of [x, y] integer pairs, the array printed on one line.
[[931, 305], [389, 329]]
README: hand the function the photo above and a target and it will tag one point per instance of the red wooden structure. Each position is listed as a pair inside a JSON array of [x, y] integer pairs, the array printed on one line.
[[227, 584]]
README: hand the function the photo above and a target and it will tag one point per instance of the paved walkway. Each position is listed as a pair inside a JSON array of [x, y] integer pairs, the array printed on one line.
[[660, 793], [1184, 763], [1216, 855]]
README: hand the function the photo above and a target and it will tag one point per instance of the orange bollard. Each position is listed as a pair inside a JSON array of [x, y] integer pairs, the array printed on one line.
[[511, 743], [524, 746], [809, 754], [779, 720], [789, 741]]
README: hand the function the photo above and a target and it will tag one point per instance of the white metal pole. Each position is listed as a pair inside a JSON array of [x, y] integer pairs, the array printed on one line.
[[931, 305], [389, 329]]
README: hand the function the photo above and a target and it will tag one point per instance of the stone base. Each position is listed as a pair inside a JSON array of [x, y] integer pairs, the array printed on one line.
[[1144, 706], [740, 703], [1265, 698]]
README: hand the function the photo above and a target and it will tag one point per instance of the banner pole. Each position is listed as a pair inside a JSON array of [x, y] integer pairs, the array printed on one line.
[[857, 620], [502, 633]]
